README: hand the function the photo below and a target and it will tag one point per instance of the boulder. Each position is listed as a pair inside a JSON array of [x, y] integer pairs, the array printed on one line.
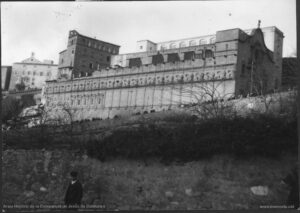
[[43, 189], [260, 190], [169, 194], [188, 192]]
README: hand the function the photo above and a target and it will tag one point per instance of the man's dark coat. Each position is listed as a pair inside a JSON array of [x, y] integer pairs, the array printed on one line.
[[74, 194]]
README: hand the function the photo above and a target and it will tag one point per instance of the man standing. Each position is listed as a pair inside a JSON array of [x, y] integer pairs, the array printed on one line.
[[74, 192]]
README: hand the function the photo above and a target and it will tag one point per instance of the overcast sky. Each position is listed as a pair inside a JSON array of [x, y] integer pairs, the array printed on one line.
[[42, 27]]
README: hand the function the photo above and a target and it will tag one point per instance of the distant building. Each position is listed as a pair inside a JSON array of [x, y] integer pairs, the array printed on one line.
[[33, 73], [231, 63], [84, 55], [5, 77]]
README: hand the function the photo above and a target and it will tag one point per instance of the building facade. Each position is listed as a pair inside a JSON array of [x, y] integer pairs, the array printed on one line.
[[233, 63], [5, 77], [33, 73], [84, 55], [273, 39]]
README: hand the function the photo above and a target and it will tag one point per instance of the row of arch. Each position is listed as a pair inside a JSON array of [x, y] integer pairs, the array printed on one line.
[[174, 45], [141, 81], [77, 100]]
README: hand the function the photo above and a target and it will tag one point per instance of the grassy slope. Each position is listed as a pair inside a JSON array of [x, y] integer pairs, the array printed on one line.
[[217, 183]]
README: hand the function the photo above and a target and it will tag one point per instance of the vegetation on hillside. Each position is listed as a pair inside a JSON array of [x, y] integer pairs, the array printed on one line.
[[174, 138], [242, 137]]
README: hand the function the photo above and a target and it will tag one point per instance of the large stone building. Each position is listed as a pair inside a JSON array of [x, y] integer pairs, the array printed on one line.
[[5, 77], [33, 73], [84, 55], [273, 39], [166, 75]]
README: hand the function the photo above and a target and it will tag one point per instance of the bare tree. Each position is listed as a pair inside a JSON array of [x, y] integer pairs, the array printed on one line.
[[208, 99], [61, 116], [259, 85]]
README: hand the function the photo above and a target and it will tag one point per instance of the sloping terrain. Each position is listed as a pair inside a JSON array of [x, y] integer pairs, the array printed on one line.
[[220, 182]]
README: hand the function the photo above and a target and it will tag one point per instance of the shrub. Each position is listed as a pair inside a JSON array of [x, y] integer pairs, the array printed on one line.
[[186, 140], [241, 137]]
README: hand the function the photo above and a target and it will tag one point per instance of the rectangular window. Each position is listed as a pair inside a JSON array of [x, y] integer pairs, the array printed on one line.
[[189, 55], [157, 59], [172, 57], [135, 62], [41, 73]]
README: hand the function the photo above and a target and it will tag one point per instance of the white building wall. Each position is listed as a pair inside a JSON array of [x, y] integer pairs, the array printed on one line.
[[145, 46], [36, 74]]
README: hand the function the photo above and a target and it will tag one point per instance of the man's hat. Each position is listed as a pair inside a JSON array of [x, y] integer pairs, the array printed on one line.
[[74, 173]]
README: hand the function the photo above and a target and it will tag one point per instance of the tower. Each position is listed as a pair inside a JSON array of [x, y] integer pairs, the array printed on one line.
[[84, 55]]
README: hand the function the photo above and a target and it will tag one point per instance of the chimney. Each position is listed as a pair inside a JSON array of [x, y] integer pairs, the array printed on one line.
[[32, 54]]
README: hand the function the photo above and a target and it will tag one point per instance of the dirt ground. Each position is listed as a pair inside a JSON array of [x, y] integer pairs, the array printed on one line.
[[40, 177]]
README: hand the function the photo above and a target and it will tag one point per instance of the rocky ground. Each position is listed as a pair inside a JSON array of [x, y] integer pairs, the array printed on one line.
[[222, 182]]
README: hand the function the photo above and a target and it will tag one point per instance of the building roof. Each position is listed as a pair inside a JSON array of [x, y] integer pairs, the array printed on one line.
[[95, 39], [196, 37], [211, 35], [42, 64], [33, 61], [147, 40], [62, 51], [266, 28]]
